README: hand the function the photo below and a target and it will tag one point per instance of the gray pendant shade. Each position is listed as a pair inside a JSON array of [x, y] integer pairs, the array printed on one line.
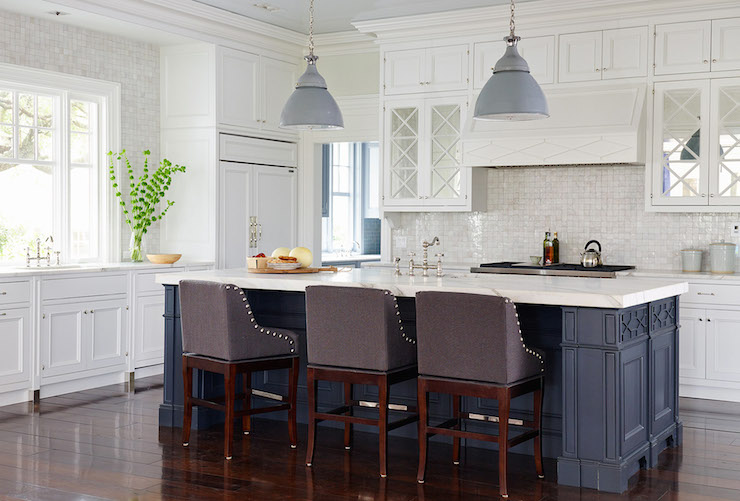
[[511, 93], [311, 106]]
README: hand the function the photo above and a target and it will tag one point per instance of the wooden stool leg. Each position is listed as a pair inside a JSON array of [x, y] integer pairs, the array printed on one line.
[[348, 426], [538, 395], [230, 394], [312, 384], [187, 417], [247, 420], [292, 399], [422, 401], [456, 440], [383, 423], [504, 402]]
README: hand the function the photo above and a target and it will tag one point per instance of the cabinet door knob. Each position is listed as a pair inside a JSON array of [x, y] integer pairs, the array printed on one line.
[[714, 60], [3, 293], [85, 312], [604, 69], [706, 61], [709, 319], [700, 320], [92, 311]]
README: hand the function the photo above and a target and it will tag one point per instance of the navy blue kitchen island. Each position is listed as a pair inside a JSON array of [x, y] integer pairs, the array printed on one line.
[[611, 380]]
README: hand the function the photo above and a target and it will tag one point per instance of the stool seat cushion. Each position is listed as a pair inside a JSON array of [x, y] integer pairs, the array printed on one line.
[[354, 327], [217, 321]]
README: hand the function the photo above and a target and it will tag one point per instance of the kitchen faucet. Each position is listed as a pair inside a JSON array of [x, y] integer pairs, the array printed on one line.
[[424, 266], [38, 258]]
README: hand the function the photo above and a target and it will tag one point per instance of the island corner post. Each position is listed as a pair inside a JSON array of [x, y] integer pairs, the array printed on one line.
[[611, 383]]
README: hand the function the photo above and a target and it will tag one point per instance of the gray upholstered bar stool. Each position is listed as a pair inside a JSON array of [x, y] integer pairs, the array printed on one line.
[[480, 355], [356, 336], [221, 335]]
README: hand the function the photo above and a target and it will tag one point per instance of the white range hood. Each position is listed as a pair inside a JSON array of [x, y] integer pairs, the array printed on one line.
[[602, 124]]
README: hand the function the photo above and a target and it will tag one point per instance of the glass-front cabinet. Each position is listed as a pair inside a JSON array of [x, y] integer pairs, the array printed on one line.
[[696, 149], [422, 162]]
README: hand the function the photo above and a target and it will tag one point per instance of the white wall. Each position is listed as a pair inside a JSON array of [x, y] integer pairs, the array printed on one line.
[[605, 203], [52, 46]]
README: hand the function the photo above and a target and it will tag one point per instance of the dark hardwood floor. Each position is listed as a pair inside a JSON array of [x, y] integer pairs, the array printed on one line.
[[105, 444]]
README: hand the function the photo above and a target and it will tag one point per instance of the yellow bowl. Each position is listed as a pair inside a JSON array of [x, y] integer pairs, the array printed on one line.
[[163, 258]]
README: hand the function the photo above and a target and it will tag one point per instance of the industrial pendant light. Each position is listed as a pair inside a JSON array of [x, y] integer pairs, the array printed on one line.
[[311, 106], [511, 93]]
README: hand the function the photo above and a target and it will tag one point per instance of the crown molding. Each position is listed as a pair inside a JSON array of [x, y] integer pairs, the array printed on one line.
[[536, 15], [345, 42], [197, 21]]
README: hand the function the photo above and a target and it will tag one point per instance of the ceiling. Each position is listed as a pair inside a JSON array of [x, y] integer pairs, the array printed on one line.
[[43, 9], [336, 15]]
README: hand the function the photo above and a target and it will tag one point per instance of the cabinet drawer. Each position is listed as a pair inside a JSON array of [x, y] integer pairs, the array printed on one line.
[[258, 151], [145, 283], [712, 294], [63, 288], [15, 292]]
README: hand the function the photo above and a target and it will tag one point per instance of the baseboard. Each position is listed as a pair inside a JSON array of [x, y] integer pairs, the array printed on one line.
[[152, 370], [15, 397], [708, 406], [81, 384]]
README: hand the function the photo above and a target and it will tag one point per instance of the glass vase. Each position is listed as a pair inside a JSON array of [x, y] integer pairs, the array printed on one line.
[[135, 246]]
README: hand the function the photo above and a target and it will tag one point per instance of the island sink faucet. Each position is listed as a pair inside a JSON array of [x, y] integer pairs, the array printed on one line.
[[424, 266], [38, 258]]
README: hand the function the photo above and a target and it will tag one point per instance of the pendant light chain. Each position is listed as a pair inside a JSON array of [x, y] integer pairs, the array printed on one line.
[[511, 21], [310, 31]]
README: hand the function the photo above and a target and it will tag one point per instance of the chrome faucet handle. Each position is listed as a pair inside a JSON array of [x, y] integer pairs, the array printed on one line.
[[397, 266], [57, 253], [411, 263], [439, 255]]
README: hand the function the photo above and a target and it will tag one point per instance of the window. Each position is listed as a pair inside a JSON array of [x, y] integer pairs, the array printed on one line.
[[351, 198], [52, 146]]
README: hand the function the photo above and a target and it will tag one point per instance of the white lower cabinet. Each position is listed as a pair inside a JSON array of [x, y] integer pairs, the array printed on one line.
[[723, 345], [15, 355], [86, 334], [149, 331], [692, 343]]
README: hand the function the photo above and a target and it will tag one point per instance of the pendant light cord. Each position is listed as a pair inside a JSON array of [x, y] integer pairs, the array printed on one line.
[[310, 58]]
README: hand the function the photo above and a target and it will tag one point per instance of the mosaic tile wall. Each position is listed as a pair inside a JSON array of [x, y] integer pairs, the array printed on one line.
[[580, 203], [53, 46]]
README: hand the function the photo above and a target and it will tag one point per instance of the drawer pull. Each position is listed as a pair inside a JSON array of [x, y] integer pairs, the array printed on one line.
[[3, 293], [3, 314], [705, 293]]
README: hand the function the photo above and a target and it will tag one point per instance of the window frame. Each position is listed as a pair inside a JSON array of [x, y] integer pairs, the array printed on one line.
[[107, 95]]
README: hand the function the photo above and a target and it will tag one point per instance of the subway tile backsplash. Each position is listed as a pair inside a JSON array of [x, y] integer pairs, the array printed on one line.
[[605, 203], [53, 46]]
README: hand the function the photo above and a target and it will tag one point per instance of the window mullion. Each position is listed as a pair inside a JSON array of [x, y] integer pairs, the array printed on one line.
[[62, 205]]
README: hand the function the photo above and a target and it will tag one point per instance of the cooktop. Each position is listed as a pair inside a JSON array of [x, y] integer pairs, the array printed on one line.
[[559, 269]]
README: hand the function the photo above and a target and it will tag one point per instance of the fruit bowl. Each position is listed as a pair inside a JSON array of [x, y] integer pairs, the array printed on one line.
[[163, 258]]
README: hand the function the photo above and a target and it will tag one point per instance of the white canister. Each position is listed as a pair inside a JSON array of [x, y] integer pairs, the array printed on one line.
[[722, 256], [691, 260]]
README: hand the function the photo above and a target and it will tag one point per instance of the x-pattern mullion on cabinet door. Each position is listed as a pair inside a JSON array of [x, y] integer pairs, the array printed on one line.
[[403, 183], [734, 178], [404, 122], [446, 151], [446, 183], [681, 106]]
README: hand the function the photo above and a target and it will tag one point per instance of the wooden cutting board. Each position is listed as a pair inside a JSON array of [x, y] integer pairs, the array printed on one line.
[[299, 270]]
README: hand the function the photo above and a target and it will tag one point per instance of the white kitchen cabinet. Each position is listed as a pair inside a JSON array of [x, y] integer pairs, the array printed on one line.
[[692, 343], [580, 57], [695, 161], [725, 43], [625, 53], [426, 70], [258, 211], [62, 339], [278, 83], [252, 89], [15, 340], [683, 47], [148, 339], [681, 143], [238, 98], [723, 345], [597, 55], [107, 321], [539, 52], [421, 165]]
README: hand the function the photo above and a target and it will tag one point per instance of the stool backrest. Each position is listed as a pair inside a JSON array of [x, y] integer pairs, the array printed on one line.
[[471, 336], [356, 327], [217, 321]]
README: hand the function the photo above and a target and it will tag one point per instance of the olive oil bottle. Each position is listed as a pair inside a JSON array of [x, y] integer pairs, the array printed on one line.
[[556, 249], [547, 250]]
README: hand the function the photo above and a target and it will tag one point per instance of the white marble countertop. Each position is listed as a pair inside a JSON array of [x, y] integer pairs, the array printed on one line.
[[678, 274], [22, 271], [618, 292], [340, 258]]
